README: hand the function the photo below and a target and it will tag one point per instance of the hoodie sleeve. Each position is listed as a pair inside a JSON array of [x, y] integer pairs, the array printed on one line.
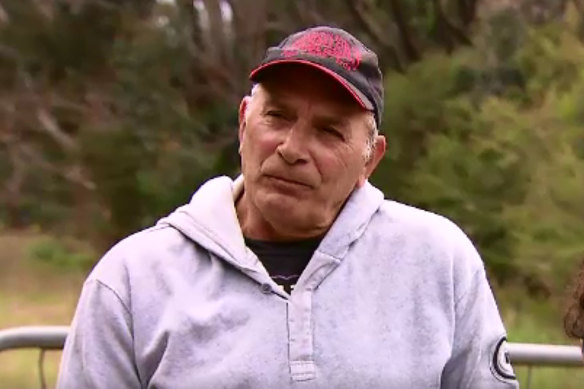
[[98, 351], [479, 358]]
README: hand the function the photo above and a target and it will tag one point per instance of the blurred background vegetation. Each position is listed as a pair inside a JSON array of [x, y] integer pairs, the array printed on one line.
[[112, 113]]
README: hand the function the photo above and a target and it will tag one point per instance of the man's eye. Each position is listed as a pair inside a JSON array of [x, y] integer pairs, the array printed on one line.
[[276, 114], [332, 131]]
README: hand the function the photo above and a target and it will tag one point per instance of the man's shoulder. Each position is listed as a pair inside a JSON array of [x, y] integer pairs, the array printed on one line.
[[137, 252], [408, 218], [152, 239], [421, 227], [436, 239]]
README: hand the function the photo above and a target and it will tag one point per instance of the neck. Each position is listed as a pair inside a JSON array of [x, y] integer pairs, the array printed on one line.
[[255, 226]]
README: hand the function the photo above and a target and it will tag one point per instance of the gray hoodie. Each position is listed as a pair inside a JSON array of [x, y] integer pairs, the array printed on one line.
[[394, 297]]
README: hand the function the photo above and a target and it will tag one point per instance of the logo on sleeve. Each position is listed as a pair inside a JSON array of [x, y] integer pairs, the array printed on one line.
[[501, 362]]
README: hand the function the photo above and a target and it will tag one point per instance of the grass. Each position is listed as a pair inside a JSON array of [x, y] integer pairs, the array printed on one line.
[[32, 293], [43, 291]]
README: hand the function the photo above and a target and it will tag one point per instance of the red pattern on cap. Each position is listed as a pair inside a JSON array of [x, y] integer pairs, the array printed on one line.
[[325, 44]]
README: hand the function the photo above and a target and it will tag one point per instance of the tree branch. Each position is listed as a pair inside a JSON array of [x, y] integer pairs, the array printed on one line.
[[47, 122], [579, 6], [4, 18], [250, 25], [307, 13], [72, 174], [50, 126], [376, 33], [451, 34], [467, 11], [11, 195], [404, 31]]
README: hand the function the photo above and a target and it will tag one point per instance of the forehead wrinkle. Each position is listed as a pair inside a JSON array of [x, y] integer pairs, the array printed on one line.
[[328, 111]]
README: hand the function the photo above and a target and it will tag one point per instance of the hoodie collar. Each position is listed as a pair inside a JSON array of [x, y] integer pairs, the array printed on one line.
[[352, 221], [210, 220]]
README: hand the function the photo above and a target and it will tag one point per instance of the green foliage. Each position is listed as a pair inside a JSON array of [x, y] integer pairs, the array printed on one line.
[[150, 157], [414, 109], [62, 254]]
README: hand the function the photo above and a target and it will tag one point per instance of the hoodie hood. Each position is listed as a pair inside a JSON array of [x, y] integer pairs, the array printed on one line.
[[210, 220]]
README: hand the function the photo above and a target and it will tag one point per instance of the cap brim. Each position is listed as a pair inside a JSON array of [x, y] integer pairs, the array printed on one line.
[[356, 93]]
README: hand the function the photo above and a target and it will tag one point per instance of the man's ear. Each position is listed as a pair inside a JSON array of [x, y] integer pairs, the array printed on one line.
[[377, 154], [243, 107]]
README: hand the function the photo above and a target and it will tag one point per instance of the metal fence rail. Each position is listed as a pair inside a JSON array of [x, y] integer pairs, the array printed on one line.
[[43, 337], [539, 355], [521, 354], [527, 354]]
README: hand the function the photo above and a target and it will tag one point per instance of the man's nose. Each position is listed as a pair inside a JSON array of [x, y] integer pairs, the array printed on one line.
[[294, 147]]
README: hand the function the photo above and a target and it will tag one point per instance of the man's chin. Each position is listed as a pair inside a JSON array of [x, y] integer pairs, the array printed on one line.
[[284, 206]]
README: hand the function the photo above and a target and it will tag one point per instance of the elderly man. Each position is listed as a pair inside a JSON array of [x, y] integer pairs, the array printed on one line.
[[298, 274]]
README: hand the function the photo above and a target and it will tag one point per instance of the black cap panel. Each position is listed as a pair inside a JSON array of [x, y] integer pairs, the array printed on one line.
[[339, 54]]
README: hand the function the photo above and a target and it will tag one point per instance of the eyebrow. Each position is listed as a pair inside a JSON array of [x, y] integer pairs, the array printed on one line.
[[333, 120], [272, 99]]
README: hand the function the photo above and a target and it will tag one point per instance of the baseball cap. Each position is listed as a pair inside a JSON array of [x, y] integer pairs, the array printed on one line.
[[338, 54]]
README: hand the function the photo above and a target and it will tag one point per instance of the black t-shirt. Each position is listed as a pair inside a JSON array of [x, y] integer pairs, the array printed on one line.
[[284, 261]]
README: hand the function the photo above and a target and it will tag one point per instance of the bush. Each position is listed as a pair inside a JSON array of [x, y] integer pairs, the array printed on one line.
[[67, 254]]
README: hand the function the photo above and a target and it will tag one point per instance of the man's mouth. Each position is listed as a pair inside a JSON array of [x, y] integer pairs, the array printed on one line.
[[288, 181]]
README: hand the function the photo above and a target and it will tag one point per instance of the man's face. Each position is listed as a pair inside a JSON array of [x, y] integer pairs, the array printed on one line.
[[303, 144]]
